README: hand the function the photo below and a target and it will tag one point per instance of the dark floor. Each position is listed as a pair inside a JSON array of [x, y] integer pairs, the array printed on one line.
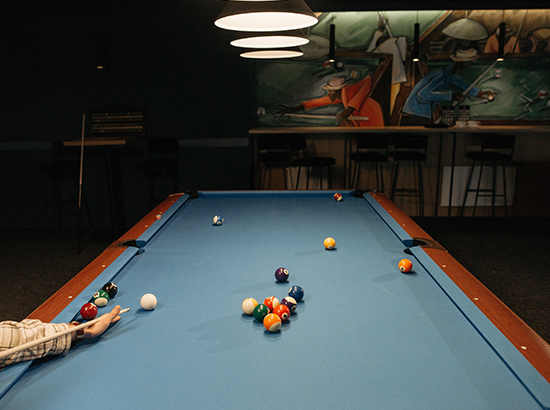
[[36, 263], [508, 255]]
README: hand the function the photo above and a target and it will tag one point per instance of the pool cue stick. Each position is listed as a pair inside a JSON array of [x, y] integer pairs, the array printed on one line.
[[519, 31], [80, 178], [331, 117], [483, 74], [54, 336]]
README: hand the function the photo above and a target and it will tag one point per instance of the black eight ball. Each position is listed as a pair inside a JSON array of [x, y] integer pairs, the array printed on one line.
[[111, 289]]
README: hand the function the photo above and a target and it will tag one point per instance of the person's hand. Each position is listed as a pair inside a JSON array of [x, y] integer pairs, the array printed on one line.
[[458, 97], [100, 327], [488, 95], [342, 117]]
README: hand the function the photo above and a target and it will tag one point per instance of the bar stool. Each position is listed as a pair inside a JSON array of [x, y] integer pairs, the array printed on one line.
[[496, 152], [62, 175], [162, 163], [306, 160], [370, 149], [274, 152], [412, 149]]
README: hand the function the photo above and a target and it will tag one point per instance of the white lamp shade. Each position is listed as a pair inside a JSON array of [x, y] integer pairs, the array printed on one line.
[[271, 40], [271, 54], [262, 16]]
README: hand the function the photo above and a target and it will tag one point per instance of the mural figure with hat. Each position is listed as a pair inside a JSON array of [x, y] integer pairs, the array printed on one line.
[[435, 88], [511, 44], [538, 41], [462, 35], [354, 97]]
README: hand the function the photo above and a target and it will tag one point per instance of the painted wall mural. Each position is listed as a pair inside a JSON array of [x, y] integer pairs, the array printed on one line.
[[374, 80]]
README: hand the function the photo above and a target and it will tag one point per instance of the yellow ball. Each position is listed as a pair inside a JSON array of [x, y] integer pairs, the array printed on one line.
[[329, 243], [248, 305]]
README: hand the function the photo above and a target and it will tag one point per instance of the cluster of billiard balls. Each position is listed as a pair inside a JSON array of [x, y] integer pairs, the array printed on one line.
[[89, 310], [273, 313]]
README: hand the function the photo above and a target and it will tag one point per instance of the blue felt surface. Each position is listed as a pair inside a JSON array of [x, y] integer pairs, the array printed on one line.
[[365, 336]]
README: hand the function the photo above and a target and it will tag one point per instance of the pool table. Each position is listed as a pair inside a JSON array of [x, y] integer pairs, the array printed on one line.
[[365, 336]]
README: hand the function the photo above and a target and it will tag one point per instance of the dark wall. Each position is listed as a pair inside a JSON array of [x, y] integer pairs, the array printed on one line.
[[165, 56]]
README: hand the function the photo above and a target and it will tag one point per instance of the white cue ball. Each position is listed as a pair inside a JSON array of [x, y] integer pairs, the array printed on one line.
[[148, 301]]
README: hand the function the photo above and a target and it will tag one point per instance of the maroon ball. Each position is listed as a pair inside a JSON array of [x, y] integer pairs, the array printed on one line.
[[88, 311], [281, 275]]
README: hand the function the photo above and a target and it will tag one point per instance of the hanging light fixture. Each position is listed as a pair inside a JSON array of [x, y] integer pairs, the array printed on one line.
[[270, 40], [332, 44], [416, 44], [273, 54], [101, 51], [501, 41], [262, 16]]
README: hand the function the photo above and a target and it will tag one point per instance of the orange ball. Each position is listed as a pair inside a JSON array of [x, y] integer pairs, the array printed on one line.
[[329, 243], [405, 265], [283, 312], [271, 302], [272, 322]]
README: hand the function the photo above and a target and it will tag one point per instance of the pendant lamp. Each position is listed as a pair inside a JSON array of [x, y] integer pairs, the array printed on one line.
[[270, 40], [416, 43], [501, 41], [273, 54], [265, 16], [332, 44]]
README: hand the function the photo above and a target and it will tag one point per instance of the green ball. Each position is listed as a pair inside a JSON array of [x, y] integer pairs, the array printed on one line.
[[100, 298], [260, 312]]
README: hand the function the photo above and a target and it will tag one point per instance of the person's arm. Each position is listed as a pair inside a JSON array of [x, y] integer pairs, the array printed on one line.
[[281, 109], [13, 334], [435, 90]]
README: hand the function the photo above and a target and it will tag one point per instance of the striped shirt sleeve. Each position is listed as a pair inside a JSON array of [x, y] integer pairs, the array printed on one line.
[[17, 333]]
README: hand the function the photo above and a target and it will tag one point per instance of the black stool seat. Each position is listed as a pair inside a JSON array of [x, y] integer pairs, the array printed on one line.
[[409, 148], [274, 158], [370, 149], [162, 162], [496, 152], [274, 152], [310, 161], [314, 162]]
